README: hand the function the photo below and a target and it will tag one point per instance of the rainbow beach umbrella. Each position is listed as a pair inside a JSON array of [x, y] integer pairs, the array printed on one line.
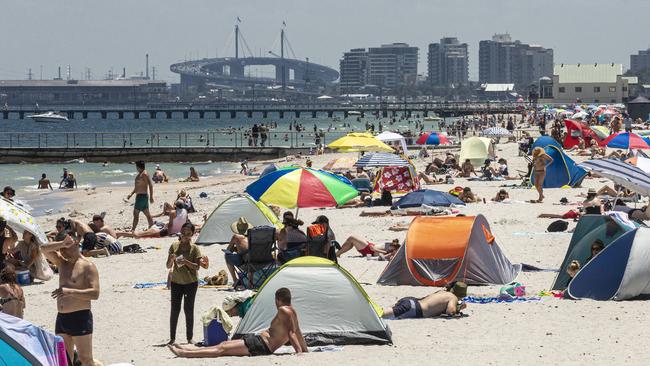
[[626, 140], [432, 138], [295, 187]]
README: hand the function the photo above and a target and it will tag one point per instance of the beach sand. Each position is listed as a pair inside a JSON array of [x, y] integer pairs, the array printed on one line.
[[129, 323]]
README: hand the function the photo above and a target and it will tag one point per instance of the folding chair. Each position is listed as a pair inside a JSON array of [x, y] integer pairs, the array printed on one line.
[[260, 263], [296, 247]]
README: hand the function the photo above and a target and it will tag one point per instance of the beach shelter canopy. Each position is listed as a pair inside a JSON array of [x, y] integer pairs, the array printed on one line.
[[495, 132], [20, 220], [589, 229], [24, 344], [302, 187], [376, 160], [476, 149], [333, 308], [621, 271], [601, 131], [575, 130], [269, 169], [563, 171], [625, 174], [640, 162], [544, 141], [388, 136], [625, 140], [217, 227], [432, 138], [359, 141], [440, 250], [427, 197], [396, 179]]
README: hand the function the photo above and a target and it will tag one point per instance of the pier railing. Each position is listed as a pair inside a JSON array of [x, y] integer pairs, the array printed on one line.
[[164, 139]]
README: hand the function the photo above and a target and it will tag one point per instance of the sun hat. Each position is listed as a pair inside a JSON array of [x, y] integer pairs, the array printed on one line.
[[241, 226]]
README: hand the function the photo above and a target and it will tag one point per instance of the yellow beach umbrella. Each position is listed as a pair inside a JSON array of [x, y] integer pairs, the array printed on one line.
[[359, 141]]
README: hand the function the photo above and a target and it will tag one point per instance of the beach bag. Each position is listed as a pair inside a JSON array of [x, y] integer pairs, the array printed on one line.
[[513, 290], [557, 226]]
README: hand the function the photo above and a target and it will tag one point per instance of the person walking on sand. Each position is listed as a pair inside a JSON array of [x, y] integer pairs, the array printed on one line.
[[184, 261], [142, 199], [284, 328], [78, 286], [540, 161]]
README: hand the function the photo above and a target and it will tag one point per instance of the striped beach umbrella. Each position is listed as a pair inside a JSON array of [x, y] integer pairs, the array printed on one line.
[[622, 173], [432, 138], [496, 132], [302, 187], [626, 140], [380, 160]]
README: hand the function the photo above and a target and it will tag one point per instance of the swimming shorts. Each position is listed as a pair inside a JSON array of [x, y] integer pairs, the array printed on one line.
[[571, 214], [141, 201], [163, 230], [367, 250], [256, 345], [407, 308], [75, 324]]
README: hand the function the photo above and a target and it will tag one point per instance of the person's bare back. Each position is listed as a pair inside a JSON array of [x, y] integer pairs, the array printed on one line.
[[16, 304], [439, 303]]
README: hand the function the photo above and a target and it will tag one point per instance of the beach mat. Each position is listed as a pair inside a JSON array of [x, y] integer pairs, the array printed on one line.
[[498, 300], [163, 284], [530, 268]]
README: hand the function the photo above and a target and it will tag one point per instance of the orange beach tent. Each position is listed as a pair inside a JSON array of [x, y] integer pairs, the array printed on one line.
[[440, 250]]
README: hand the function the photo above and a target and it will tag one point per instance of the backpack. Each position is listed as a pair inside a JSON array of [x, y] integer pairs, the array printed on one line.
[[557, 226]]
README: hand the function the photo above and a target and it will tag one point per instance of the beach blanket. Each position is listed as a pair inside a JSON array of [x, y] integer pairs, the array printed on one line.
[[523, 233], [489, 300], [163, 284], [285, 350]]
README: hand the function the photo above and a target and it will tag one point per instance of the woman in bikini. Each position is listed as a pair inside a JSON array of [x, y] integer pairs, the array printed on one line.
[[540, 161]]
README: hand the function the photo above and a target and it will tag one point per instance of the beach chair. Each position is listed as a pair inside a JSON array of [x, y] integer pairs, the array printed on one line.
[[317, 243], [296, 247], [363, 185], [260, 263]]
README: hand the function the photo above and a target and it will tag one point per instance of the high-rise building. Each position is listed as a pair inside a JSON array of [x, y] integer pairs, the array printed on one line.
[[448, 62], [640, 61], [392, 65], [353, 69], [503, 61]]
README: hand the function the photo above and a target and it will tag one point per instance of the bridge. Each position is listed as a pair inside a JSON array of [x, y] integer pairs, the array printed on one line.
[[274, 109], [232, 70]]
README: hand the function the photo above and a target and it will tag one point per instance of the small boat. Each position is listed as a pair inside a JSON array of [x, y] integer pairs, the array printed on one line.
[[48, 117], [433, 118], [354, 113]]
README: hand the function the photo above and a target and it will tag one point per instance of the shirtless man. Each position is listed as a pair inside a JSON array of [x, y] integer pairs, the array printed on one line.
[[44, 183], [238, 246], [78, 286], [98, 226], [159, 175], [142, 199], [284, 327], [436, 304]]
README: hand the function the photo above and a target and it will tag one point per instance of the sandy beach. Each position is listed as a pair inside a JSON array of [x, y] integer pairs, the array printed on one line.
[[130, 323]]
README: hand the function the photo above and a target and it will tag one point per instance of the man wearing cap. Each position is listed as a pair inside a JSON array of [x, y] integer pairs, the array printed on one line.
[[238, 246], [159, 175]]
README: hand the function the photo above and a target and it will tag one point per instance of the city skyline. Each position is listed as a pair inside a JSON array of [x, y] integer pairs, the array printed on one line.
[[58, 33]]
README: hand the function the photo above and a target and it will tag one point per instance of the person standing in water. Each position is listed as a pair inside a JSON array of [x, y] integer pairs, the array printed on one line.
[[44, 183], [540, 161], [143, 184]]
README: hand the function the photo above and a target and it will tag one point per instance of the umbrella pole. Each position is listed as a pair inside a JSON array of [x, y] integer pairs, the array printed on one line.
[[297, 210]]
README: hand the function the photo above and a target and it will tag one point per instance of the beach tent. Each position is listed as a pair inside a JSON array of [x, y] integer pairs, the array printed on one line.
[[576, 129], [440, 250], [388, 137], [476, 149], [217, 227], [396, 179], [24, 344], [563, 171], [427, 197], [589, 229], [332, 306], [269, 169], [621, 271], [544, 141]]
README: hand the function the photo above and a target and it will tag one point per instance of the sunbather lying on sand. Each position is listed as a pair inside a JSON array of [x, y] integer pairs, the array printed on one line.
[[284, 328], [436, 304], [364, 247]]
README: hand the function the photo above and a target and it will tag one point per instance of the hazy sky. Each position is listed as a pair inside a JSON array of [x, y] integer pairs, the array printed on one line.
[[117, 33]]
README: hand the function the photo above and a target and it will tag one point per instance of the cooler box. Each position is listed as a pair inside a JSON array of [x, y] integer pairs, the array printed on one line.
[[213, 333], [23, 278]]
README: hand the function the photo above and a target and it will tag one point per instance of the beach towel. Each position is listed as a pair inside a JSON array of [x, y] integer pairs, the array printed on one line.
[[498, 300], [220, 315], [285, 350]]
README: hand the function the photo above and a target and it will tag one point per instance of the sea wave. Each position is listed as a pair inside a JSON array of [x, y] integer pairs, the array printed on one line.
[[117, 183], [24, 178], [116, 171]]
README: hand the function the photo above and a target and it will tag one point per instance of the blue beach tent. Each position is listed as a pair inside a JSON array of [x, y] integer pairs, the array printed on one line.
[[544, 141], [563, 171], [590, 228], [621, 271], [22, 343], [427, 197]]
